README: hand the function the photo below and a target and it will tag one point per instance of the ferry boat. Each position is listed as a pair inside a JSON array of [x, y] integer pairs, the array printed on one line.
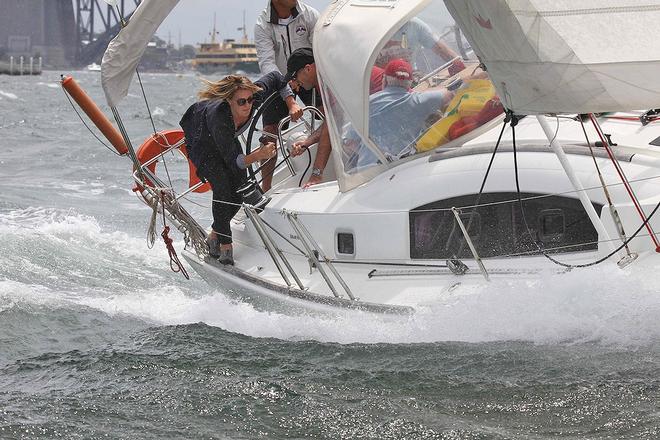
[[228, 56]]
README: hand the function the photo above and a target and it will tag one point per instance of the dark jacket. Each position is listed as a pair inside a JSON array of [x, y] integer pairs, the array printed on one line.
[[211, 138]]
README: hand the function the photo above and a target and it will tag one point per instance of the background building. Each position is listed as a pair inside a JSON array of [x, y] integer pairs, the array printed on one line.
[[43, 28]]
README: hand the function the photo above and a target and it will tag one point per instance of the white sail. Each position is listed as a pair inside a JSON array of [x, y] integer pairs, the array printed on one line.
[[566, 56], [125, 50]]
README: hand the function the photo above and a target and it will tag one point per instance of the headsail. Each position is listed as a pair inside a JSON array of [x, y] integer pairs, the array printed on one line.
[[125, 50], [563, 56]]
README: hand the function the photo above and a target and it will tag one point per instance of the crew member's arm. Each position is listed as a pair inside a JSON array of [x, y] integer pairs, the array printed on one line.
[[265, 152], [299, 147], [324, 148], [295, 111], [265, 49], [273, 81], [323, 151]]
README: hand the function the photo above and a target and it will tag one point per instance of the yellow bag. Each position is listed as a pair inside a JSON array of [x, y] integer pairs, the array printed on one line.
[[468, 101]]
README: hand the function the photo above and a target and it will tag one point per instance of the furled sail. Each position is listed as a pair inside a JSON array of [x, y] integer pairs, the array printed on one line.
[[566, 56], [125, 50]]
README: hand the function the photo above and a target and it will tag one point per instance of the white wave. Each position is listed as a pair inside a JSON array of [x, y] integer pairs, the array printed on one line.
[[56, 228], [8, 95], [158, 112], [612, 308], [604, 305], [50, 85], [13, 293]]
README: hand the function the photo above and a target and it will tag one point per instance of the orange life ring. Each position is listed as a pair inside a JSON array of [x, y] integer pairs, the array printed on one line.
[[160, 142]]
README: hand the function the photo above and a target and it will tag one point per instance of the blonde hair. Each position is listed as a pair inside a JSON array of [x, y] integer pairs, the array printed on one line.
[[226, 87]]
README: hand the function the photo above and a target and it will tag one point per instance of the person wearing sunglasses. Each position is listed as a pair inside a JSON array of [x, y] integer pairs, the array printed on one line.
[[301, 71], [212, 126]]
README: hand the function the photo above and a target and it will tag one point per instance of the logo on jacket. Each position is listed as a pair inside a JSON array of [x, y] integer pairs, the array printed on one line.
[[486, 24], [301, 30]]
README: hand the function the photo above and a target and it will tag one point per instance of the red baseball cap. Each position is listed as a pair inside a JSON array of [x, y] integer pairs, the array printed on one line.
[[399, 69]]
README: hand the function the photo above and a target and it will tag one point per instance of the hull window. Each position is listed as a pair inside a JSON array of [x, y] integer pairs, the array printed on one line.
[[345, 243], [499, 228]]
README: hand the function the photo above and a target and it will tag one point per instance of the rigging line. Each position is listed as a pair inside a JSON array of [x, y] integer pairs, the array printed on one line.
[[635, 234], [569, 266], [284, 238], [127, 140], [615, 214], [112, 150], [162, 155], [153, 124], [390, 261], [483, 184], [542, 196], [146, 101], [522, 209], [624, 179]]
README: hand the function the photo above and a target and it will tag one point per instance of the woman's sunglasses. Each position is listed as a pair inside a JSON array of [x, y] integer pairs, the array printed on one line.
[[243, 101]]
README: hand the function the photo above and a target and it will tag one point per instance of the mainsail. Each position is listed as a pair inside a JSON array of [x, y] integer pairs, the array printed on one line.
[[125, 50], [566, 56]]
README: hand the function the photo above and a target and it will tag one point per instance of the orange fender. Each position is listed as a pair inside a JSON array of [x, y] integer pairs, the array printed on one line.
[[95, 114], [157, 144]]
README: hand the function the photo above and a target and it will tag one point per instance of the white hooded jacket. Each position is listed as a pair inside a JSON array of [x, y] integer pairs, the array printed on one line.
[[275, 42]]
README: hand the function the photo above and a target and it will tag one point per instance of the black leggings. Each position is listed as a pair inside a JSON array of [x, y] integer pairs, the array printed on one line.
[[223, 212]]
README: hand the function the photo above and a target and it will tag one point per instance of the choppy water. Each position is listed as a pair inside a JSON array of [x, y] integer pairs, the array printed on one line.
[[99, 339]]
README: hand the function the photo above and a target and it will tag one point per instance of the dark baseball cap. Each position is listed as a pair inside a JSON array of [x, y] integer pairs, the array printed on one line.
[[299, 58]]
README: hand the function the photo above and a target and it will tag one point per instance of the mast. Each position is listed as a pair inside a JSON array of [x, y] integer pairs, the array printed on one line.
[[214, 31], [244, 29]]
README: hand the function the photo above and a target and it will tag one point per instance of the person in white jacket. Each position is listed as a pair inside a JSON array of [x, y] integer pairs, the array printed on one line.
[[282, 27]]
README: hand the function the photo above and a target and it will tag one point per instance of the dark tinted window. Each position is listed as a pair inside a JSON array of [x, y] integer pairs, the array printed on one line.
[[499, 228], [345, 243]]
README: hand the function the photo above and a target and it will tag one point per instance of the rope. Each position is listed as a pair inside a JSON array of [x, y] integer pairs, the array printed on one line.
[[112, 150], [175, 263], [146, 102], [481, 189], [151, 231], [536, 243], [613, 211]]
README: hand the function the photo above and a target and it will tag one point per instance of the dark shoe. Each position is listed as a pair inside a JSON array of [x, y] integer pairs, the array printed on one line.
[[226, 257], [214, 247]]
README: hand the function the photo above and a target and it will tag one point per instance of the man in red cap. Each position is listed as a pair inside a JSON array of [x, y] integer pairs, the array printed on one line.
[[397, 114]]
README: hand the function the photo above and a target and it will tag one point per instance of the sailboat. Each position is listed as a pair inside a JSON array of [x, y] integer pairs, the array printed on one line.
[[545, 159]]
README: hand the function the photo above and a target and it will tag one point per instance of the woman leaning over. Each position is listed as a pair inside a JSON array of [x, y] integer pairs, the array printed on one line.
[[212, 126]]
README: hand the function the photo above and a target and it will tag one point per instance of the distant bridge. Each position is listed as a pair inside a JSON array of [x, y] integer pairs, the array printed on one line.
[[96, 24]]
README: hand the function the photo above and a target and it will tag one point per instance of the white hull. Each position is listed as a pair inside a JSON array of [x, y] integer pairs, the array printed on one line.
[[381, 272]]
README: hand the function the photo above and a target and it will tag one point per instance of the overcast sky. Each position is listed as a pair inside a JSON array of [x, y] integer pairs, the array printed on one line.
[[194, 19]]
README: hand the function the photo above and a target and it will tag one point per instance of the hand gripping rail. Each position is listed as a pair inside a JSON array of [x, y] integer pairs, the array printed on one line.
[[308, 125]]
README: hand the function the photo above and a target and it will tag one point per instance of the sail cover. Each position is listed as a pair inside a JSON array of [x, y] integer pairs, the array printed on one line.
[[125, 50], [566, 56]]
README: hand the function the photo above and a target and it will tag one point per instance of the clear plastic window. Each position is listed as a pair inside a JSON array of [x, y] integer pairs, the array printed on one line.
[[425, 91]]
